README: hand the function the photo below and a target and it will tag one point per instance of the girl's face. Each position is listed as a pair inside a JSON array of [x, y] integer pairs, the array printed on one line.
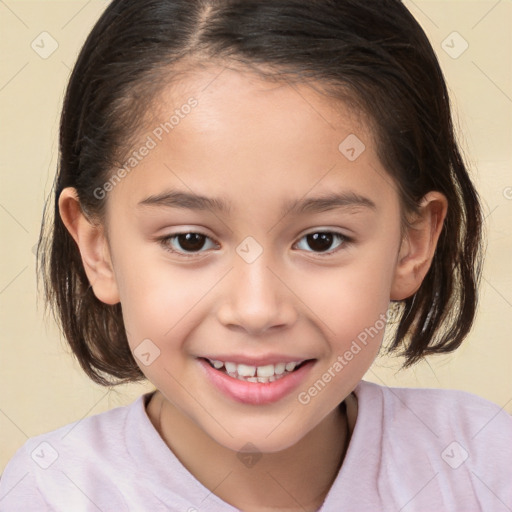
[[294, 257]]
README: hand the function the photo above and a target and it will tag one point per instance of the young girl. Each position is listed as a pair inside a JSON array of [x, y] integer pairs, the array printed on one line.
[[250, 192]]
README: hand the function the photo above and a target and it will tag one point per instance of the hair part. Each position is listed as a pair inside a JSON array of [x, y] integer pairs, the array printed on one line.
[[372, 55]]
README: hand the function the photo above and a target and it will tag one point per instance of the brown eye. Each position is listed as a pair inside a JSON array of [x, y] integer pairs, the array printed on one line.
[[191, 241], [186, 243], [322, 241]]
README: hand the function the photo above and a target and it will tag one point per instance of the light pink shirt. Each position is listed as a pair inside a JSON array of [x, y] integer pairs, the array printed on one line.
[[412, 450]]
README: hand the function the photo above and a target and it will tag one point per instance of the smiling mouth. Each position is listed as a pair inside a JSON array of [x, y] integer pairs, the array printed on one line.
[[257, 374]]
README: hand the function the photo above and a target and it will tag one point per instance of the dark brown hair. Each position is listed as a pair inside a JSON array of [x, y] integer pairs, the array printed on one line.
[[371, 52]]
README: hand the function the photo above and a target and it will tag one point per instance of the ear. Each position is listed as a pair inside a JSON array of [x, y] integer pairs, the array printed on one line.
[[93, 247], [418, 246]]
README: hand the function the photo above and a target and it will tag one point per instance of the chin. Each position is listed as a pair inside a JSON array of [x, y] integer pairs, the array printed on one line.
[[268, 438]]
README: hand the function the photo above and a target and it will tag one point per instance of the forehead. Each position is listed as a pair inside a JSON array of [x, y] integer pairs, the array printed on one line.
[[239, 94], [225, 132]]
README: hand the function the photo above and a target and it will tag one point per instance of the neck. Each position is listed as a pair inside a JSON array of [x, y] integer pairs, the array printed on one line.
[[297, 478]]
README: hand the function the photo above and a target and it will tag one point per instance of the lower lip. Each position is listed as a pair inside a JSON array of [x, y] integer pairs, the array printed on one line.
[[256, 393]]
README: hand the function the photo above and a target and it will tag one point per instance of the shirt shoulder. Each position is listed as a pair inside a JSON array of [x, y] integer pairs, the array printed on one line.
[[459, 426], [43, 468], [441, 411], [115, 460], [426, 450]]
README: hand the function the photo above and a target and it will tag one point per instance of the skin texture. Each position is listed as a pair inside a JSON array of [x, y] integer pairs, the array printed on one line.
[[256, 145]]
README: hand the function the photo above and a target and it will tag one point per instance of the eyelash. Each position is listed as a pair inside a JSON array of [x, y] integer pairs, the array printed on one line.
[[164, 241]]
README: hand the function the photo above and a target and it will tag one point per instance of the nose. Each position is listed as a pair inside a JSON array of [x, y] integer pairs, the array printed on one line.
[[255, 298]]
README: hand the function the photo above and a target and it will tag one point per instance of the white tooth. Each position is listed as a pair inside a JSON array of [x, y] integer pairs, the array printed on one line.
[[230, 367], [252, 379], [263, 380], [232, 375], [266, 371], [245, 370], [289, 366], [279, 368], [272, 378], [217, 364]]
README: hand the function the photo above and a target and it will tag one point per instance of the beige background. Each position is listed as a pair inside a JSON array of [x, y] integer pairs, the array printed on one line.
[[42, 387]]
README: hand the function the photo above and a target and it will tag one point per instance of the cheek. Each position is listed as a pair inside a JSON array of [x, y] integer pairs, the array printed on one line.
[[349, 298], [350, 302], [159, 298]]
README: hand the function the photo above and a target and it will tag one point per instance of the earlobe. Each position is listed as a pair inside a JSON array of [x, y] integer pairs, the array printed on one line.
[[93, 246], [418, 246]]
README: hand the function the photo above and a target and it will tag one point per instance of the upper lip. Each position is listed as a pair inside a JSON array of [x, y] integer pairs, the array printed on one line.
[[256, 360]]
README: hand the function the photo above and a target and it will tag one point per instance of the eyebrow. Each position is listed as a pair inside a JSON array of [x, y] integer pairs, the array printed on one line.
[[190, 201], [186, 200]]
